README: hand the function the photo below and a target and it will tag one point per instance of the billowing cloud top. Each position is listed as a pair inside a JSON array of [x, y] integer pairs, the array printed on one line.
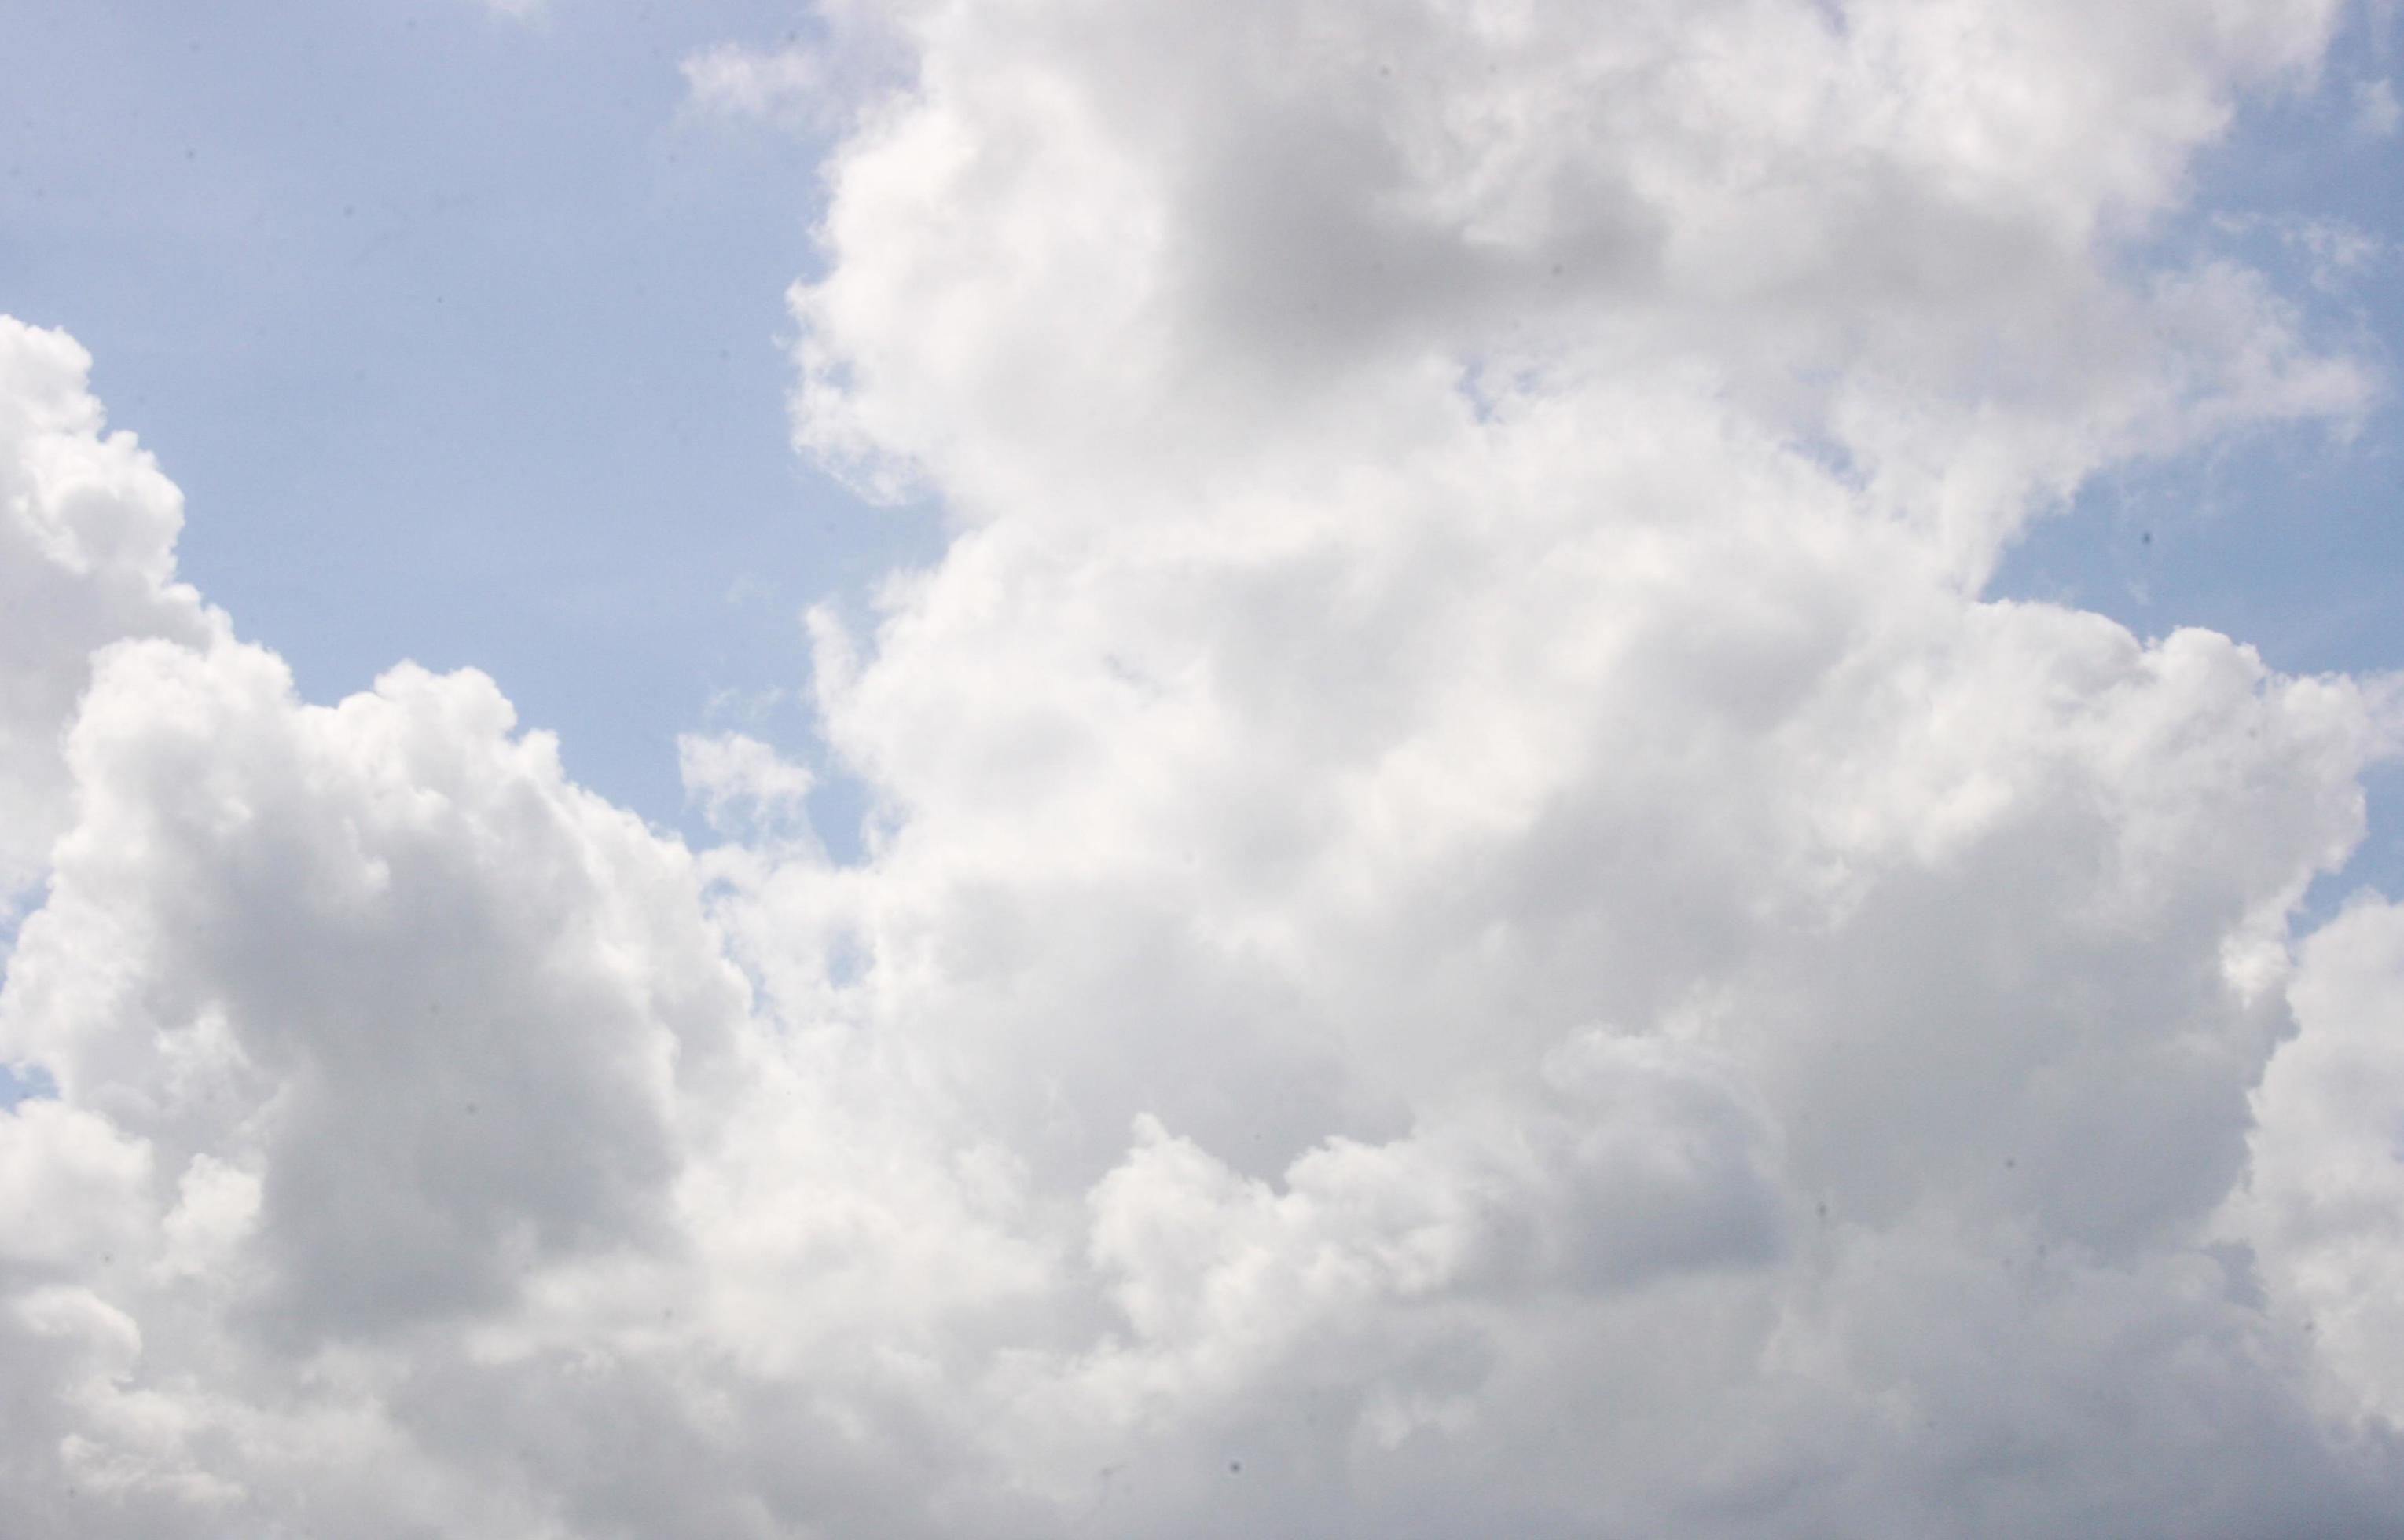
[[1470, 924]]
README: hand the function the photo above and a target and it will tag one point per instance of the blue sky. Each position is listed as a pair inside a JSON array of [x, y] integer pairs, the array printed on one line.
[[463, 338], [2293, 541]]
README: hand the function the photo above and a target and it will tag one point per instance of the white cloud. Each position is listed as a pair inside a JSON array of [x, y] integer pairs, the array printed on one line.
[[88, 529], [1173, 238], [816, 83], [420, 974], [1469, 924], [2321, 1203], [2334, 254], [743, 785], [783, 84]]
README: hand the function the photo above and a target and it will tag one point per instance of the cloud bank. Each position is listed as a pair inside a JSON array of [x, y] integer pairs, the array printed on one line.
[[1470, 922]]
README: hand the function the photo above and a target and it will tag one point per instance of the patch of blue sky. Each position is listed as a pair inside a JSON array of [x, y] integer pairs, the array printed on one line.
[[24, 1083], [466, 341]]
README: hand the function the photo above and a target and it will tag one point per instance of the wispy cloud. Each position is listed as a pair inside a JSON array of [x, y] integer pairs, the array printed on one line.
[[788, 84], [2376, 112]]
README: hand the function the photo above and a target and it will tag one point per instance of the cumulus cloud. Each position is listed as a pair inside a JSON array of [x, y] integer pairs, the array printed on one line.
[[2321, 1201], [1468, 922], [88, 528]]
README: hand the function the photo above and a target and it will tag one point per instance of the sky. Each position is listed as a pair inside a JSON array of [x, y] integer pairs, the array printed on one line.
[[1015, 767], [532, 348], [462, 331]]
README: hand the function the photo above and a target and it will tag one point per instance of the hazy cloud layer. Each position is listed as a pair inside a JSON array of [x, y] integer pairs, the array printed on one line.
[[1470, 925]]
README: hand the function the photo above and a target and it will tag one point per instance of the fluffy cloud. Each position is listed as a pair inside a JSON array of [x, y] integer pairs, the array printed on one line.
[[1469, 922], [1102, 249], [2321, 1201], [88, 529]]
